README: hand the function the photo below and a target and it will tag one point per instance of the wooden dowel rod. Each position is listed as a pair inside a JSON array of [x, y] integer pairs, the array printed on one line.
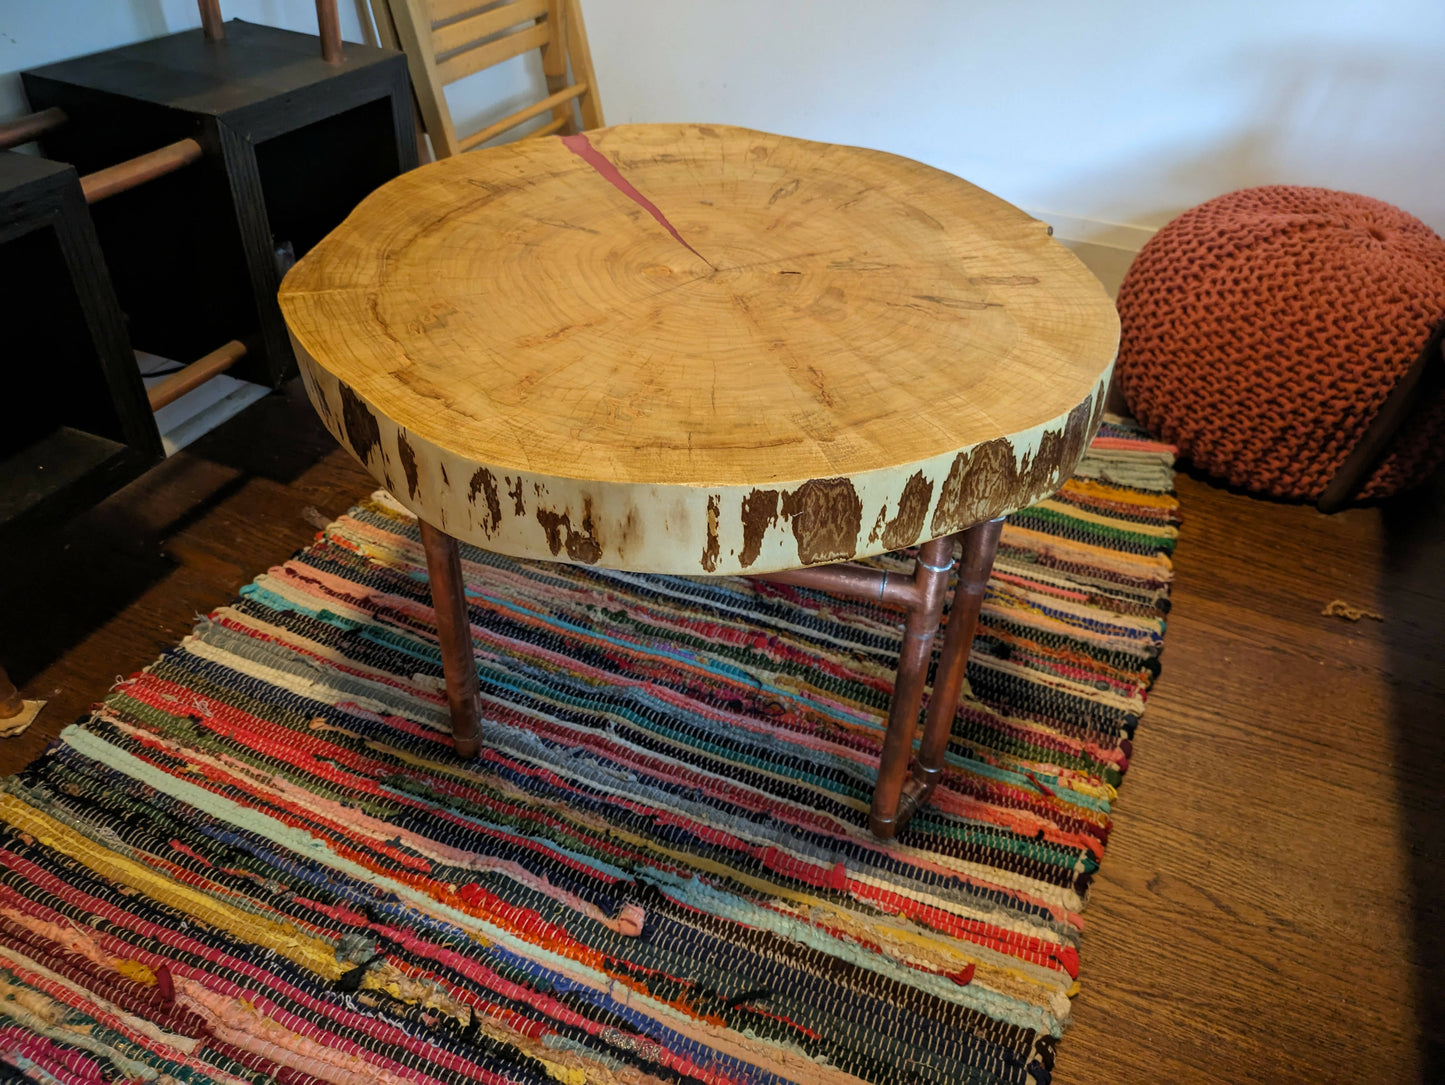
[[566, 94], [328, 25], [211, 24], [11, 704], [196, 374], [137, 171], [31, 126]]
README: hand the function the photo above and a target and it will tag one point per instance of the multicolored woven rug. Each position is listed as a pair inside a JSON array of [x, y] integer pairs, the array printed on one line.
[[258, 861]]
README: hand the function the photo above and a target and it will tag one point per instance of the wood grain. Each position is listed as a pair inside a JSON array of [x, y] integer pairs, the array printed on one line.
[[644, 330], [1269, 906]]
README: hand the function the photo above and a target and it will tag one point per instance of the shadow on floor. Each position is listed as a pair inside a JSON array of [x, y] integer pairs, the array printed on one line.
[[1412, 600], [59, 584]]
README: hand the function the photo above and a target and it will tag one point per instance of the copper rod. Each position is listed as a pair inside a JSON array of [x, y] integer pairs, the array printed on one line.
[[979, 546], [930, 577], [196, 374], [137, 171], [11, 703], [853, 581], [328, 24], [211, 24], [454, 632], [31, 126]]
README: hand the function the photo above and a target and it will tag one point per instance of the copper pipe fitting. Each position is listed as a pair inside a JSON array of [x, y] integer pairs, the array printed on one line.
[[853, 581]]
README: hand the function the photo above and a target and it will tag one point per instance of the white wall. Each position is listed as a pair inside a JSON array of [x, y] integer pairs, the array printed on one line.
[[36, 32], [1115, 111], [1127, 111]]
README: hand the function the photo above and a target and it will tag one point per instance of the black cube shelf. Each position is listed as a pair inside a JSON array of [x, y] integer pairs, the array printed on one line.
[[77, 423], [292, 143]]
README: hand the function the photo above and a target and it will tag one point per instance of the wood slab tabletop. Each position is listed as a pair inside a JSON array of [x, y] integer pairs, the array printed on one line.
[[700, 349]]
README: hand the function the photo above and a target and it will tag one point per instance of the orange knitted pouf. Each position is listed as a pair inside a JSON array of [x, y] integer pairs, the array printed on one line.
[[1262, 330]]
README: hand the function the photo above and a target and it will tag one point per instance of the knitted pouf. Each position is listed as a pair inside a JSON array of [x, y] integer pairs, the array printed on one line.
[[1262, 330]]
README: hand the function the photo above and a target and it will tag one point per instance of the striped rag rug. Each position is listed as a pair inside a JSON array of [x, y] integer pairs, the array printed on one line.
[[258, 860]]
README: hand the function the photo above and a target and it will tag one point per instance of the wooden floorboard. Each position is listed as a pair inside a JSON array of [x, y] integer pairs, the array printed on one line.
[[1268, 906], [1268, 909], [103, 597]]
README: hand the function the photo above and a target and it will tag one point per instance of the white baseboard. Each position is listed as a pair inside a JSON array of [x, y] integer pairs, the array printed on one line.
[[1106, 248], [201, 409], [218, 399], [1111, 235]]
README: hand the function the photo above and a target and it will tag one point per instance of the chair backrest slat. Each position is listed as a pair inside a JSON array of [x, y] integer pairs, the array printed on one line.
[[552, 101], [448, 40], [579, 55], [545, 130], [460, 65], [440, 11], [456, 35], [413, 34]]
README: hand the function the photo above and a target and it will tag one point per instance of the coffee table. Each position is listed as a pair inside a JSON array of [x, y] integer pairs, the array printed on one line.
[[709, 351]]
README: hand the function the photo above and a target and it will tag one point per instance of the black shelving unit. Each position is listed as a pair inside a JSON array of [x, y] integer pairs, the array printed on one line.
[[292, 143], [178, 261], [77, 423]]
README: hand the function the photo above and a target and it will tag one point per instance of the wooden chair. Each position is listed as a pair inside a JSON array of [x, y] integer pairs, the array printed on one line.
[[448, 40]]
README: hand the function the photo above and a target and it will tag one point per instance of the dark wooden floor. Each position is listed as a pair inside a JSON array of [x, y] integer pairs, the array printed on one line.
[[1269, 907]]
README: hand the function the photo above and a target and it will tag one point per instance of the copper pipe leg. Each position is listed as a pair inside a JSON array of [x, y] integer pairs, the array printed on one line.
[[931, 578], [979, 545], [895, 804], [454, 631]]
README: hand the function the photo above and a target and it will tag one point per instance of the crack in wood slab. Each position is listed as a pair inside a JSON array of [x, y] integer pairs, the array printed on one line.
[[582, 147]]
